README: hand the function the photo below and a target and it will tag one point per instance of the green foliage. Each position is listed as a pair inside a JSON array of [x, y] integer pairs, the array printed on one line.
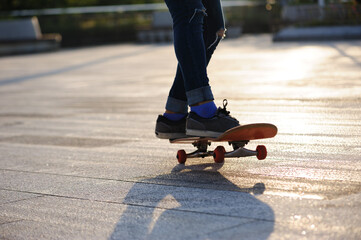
[[8, 5], [253, 19], [93, 29], [99, 28], [301, 2]]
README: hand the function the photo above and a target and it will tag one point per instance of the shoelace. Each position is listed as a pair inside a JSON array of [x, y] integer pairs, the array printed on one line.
[[224, 110]]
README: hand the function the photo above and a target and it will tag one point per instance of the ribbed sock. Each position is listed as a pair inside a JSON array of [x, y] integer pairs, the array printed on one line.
[[206, 110], [174, 116]]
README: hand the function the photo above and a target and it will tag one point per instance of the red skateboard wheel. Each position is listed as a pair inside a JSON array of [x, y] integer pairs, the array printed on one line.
[[261, 152], [218, 154], [181, 156]]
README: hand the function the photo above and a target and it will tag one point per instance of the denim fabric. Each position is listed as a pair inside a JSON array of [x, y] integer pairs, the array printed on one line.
[[195, 26]]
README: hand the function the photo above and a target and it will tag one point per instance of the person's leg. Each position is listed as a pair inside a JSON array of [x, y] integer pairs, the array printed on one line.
[[177, 99], [214, 32], [194, 48], [198, 125], [214, 26], [191, 82], [188, 17], [214, 29]]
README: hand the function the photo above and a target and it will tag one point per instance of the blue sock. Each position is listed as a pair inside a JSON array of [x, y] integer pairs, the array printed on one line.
[[174, 116], [206, 110]]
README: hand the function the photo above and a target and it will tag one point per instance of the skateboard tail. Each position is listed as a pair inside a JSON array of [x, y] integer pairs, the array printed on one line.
[[249, 132]]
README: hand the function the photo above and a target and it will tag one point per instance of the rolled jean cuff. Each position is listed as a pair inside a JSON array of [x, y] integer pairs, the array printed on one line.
[[176, 105], [199, 95]]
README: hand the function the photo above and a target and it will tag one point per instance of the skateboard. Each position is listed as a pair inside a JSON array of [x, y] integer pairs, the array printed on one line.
[[238, 137]]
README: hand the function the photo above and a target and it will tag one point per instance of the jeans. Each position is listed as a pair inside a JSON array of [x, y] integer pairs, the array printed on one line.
[[198, 27]]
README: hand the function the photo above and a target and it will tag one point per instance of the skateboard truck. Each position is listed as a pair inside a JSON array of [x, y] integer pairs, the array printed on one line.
[[220, 153]]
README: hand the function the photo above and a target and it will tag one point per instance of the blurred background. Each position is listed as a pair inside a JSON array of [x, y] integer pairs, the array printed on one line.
[[93, 22]]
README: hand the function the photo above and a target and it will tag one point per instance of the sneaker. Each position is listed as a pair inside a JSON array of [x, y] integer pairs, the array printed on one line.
[[210, 127], [167, 129]]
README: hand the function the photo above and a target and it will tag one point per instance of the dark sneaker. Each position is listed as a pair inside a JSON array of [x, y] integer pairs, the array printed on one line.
[[210, 127], [167, 129]]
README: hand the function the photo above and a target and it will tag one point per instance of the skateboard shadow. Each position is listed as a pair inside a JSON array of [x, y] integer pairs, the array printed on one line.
[[194, 202]]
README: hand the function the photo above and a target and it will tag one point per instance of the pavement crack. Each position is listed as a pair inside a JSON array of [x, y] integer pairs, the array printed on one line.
[[197, 212], [237, 226], [140, 205], [126, 181], [14, 221], [20, 200]]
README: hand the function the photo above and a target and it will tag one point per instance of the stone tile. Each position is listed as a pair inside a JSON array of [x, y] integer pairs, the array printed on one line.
[[77, 129], [74, 218]]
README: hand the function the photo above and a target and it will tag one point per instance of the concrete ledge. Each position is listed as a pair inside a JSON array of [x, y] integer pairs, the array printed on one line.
[[155, 35], [318, 33], [31, 46], [24, 36]]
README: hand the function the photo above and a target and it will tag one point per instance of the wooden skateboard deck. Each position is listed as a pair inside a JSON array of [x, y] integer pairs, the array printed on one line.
[[238, 137]]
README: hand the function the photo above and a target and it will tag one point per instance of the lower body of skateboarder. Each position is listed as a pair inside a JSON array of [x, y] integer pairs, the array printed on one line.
[[198, 27]]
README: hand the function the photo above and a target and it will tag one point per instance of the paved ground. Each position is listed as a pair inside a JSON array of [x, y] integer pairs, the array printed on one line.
[[79, 159]]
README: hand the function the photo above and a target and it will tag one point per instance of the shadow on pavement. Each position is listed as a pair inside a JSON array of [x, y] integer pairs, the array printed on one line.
[[344, 54], [194, 202], [70, 68]]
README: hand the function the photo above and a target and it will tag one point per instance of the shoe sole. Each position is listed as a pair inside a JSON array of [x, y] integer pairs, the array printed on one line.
[[201, 133], [170, 135]]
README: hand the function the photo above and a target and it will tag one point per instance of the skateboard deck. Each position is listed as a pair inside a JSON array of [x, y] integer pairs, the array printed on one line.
[[238, 137]]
